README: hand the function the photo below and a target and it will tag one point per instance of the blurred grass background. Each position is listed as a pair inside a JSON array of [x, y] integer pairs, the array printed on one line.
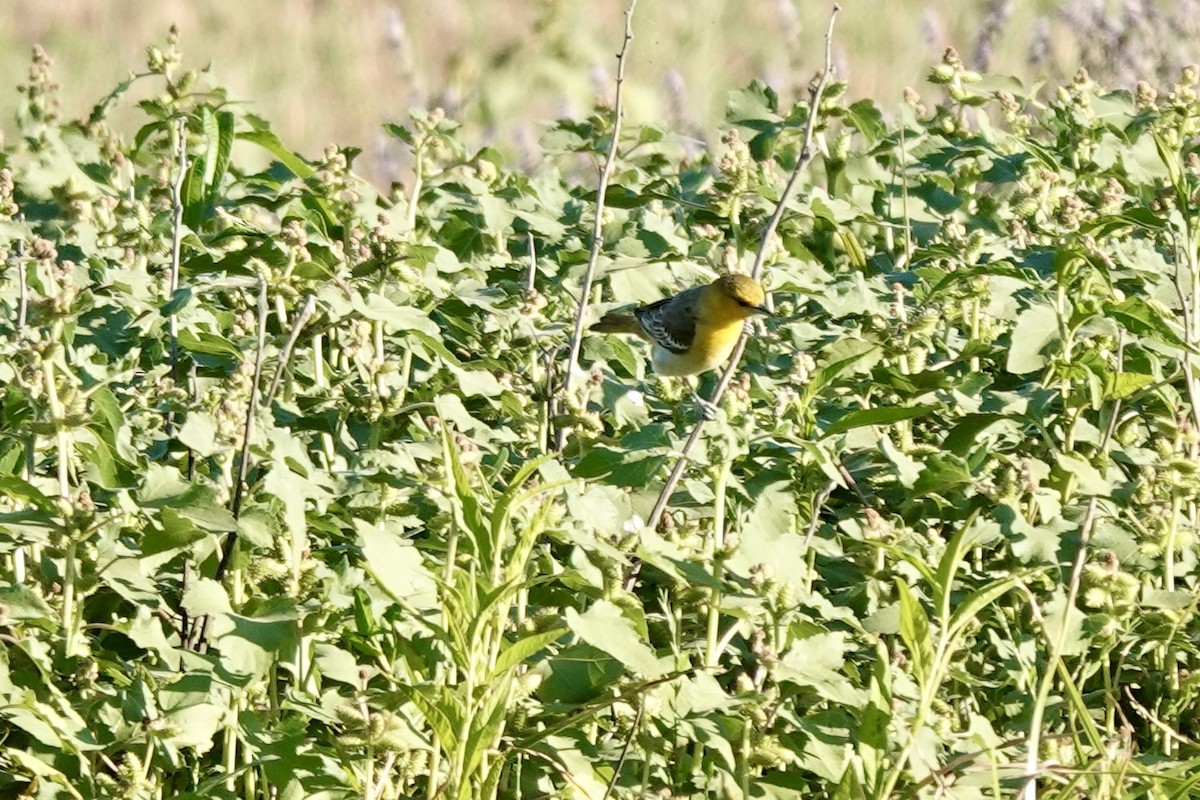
[[331, 71]]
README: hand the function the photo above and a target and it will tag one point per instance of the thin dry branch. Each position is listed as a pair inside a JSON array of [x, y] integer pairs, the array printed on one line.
[[589, 275], [248, 431], [633, 729], [18, 263], [243, 464], [310, 305], [176, 244], [1190, 333], [1086, 526], [806, 156]]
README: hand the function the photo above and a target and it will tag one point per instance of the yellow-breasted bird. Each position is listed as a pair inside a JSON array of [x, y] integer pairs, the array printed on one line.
[[695, 330]]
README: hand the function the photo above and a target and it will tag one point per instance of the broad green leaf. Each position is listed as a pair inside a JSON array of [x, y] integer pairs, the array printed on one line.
[[1147, 318], [1088, 479], [199, 433], [876, 416], [24, 605], [206, 343], [1036, 329], [396, 565], [605, 628], [402, 318], [818, 662], [523, 649], [970, 607], [915, 631], [943, 473], [1120, 385], [176, 532]]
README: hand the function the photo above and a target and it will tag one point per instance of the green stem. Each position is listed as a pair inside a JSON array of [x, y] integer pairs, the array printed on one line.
[[976, 314], [1170, 543], [418, 178], [63, 464], [321, 381], [405, 376], [1055, 657], [924, 703], [230, 750], [713, 555], [743, 765], [377, 361]]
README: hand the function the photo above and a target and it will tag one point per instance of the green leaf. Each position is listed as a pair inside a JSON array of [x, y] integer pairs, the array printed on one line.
[[943, 473], [439, 708], [969, 608], [179, 301], [1036, 328], [525, 648], [211, 344], [22, 491], [605, 628], [1146, 318], [753, 106], [23, 604], [1088, 479], [176, 533], [619, 469], [877, 416], [818, 661], [914, 630], [396, 566], [402, 318], [338, 664], [1120, 385], [270, 142], [199, 434]]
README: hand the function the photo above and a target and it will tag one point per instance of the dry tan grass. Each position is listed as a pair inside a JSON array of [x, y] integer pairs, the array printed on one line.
[[332, 70]]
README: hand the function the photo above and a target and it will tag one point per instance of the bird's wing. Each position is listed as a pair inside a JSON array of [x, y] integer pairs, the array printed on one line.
[[671, 323]]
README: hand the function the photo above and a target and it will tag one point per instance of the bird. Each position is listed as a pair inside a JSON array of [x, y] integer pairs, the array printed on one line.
[[694, 331]]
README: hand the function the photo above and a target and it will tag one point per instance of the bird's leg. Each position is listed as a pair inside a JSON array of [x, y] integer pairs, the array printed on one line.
[[707, 410]]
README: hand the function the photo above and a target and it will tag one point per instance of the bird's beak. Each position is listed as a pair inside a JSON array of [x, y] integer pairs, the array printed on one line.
[[766, 312]]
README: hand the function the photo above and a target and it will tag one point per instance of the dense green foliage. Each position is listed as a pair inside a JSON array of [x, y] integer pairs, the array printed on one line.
[[948, 512]]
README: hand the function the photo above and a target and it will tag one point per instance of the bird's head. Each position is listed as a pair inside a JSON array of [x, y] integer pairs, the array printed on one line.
[[739, 296]]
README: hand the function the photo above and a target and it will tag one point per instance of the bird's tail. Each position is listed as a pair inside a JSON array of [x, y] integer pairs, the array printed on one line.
[[618, 322]]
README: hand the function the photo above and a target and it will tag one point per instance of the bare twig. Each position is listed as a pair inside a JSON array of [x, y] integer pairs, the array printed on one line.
[[531, 278], [806, 156], [1148, 715], [244, 456], [310, 304], [589, 274], [248, 429], [818, 504], [633, 729], [176, 245], [18, 262], [185, 622], [1033, 746], [1190, 334]]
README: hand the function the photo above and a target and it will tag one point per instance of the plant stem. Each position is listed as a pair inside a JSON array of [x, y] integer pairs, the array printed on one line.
[[715, 548], [589, 275], [63, 466], [806, 156], [176, 246]]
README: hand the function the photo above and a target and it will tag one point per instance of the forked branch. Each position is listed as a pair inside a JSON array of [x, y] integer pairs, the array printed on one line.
[[806, 156], [589, 275]]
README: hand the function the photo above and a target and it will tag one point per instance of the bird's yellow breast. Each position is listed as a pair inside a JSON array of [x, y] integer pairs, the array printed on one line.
[[710, 349]]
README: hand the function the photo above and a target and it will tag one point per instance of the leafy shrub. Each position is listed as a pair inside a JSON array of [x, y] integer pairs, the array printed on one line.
[[282, 517]]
